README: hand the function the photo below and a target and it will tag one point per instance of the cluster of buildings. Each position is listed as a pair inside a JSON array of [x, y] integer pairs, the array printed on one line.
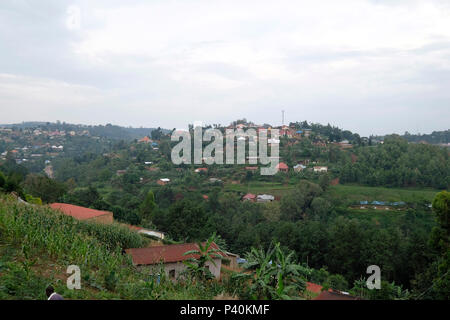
[[153, 143], [285, 131], [30, 144], [258, 198], [283, 167], [32, 153]]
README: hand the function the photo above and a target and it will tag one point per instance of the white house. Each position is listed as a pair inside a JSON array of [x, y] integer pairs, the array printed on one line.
[[299, 167], [265, 198]]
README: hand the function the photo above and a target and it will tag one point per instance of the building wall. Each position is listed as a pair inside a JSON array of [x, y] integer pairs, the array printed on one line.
[[180, 267], [233, 262]]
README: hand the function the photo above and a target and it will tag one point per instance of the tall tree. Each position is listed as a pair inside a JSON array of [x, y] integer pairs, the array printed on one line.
[[440, 239], [148, 206]]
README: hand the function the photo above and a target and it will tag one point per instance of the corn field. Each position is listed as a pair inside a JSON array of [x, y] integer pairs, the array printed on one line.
[[96, 248]]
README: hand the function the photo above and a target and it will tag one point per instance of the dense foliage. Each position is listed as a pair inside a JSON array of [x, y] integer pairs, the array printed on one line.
[[397, 163], [312, 223]]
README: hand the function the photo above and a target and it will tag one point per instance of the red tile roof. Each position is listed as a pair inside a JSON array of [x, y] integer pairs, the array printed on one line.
[[249, 196], [145, 139], [167, 253], [80, 213], [313, 287], [282, 166]]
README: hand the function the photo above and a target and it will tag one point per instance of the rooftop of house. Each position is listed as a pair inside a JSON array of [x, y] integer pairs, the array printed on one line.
[[282, 165], [313, 287], [265, 197], [166, 254], [145, 139], [249, 196], [80, 213]]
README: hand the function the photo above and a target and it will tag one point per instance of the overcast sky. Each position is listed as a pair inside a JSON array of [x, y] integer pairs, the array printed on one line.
[[363, 65]]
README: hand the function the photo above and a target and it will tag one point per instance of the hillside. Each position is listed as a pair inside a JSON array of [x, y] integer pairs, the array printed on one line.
[[37, 245]]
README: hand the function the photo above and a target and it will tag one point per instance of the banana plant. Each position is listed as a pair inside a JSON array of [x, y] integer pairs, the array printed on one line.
[[206, 253], [272, 274]]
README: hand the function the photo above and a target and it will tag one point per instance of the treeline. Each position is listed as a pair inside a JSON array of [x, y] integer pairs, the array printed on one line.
[[307, 222], [436, 137], [333, 133], [398, 163]]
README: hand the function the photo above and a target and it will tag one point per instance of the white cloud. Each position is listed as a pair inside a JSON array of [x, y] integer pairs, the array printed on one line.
[[352, 63]]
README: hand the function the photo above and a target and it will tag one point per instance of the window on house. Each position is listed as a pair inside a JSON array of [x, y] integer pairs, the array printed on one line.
[[172, 274]]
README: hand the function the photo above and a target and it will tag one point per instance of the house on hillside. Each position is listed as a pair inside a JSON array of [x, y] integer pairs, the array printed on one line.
[[163, 181], [306, 132], [320, 169], [283, 167], [145, 140], [82, 213], [345, 144], [286, 133], [265, 198], [249, 197], [171, 257], [121, 172], [313, 287], [233, 259], [299, 167]]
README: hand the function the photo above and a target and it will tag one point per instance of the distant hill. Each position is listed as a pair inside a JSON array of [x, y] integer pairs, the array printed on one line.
[[107, 131], [436, 137]]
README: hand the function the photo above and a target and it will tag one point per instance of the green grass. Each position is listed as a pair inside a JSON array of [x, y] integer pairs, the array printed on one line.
[[347, 194], [386, 218], [352, 194]]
